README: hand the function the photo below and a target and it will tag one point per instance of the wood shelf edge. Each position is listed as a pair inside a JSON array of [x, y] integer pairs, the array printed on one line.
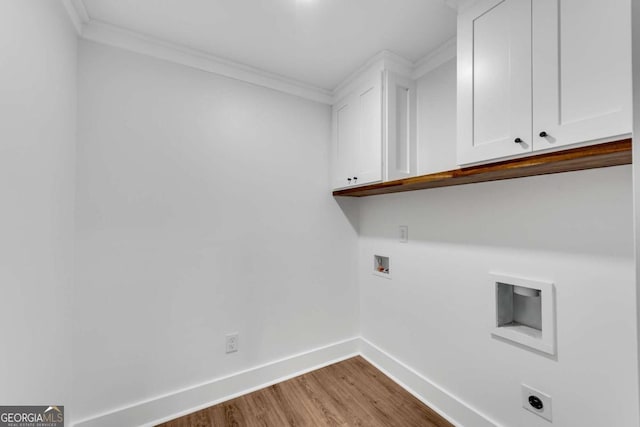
[[606, 154]]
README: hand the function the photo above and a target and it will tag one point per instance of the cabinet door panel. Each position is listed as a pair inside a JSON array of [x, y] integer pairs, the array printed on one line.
[[369, 150], [494, 72], [345, 133], [581, 71], [400, 142]]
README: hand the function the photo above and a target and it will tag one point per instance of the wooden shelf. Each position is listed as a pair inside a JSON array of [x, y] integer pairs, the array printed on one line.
[[595, 156]]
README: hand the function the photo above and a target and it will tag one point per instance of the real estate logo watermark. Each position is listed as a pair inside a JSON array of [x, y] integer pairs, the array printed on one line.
[[32, 416]]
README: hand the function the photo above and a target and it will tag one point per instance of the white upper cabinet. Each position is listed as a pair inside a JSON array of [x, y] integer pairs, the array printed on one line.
[[357, 134], [368, 154], [535, 75], [581, 71], [374, 128], [344, 137], [494, 80]]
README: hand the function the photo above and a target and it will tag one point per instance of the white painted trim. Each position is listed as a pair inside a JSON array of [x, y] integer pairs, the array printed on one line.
[[81, 10], [104, 33], [436, 58], [112, 35], [437, 398], [371, 62], [459, 5], [74, 16], [453, 4], [188, 400], [129, 40], [382, 60], [169, 406]]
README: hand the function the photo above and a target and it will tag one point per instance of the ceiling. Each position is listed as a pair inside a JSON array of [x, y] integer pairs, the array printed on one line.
[[317, 42]]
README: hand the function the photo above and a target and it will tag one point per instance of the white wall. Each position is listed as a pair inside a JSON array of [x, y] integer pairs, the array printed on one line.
[[37, 151], [203, 208], [574, 229], [635, 27]]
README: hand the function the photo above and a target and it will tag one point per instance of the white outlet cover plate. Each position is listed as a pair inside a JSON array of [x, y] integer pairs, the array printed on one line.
[[403, 233], [545, 412], [231, 343]]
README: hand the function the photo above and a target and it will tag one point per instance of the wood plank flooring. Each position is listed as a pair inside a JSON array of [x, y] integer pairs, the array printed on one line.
[[348, 393]]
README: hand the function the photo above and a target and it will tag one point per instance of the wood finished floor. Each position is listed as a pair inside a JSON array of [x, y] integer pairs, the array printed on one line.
[[348, 393]]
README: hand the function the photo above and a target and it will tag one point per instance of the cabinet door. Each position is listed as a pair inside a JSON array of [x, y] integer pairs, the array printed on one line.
[[581, 71], [494, 80], [368, 153], [345, 139]]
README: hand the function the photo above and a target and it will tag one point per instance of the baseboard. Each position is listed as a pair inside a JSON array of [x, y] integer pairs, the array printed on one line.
[[182, 402], [440, 400], [173, 405]]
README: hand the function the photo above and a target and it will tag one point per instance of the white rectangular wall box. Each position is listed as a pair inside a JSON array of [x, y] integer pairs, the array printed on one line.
[[403, 232], [382, 266], [524, 312]]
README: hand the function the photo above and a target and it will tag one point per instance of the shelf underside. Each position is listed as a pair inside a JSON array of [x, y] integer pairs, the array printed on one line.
[[595, 156]]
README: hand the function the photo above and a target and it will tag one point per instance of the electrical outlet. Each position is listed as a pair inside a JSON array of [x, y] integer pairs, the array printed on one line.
[[231, 343], [536, 401], [403, 233]]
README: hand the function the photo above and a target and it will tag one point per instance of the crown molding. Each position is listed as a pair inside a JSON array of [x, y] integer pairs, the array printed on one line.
[[392, 59], [100, 32], [396, 63], [459, 5], [453, 4], [81, 10], [75, 15], [436, 58], [111, 35], [380, 61], [346, 83], [387, 60]]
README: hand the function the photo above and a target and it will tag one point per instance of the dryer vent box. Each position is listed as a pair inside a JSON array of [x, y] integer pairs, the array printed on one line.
[[524, 312]]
